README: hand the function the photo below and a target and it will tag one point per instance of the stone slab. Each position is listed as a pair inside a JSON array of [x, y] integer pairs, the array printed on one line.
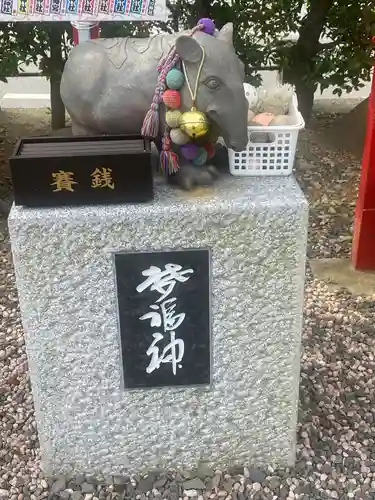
[[340, 273], [257, 230]]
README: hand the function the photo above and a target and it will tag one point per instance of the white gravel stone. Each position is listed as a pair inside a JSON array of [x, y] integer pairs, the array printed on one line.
[[191, 493]]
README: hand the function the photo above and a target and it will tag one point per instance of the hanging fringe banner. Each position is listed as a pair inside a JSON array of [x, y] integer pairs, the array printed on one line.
[[83, 10]]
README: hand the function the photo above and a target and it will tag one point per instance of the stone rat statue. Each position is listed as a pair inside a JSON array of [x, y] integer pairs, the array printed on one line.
[[108, 84]]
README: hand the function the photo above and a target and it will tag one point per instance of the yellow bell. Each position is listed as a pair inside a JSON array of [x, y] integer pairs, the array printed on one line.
[[194, 123]]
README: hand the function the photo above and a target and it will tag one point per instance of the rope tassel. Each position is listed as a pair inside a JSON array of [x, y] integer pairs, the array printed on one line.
[[150, 127], [169, 162]]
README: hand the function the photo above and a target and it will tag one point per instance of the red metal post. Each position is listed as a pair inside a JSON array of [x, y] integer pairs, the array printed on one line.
[[363, 249], [95, 31], [84, 30]]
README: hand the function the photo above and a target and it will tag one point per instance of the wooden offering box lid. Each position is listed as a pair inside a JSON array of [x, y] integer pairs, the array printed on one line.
[[56, 171]]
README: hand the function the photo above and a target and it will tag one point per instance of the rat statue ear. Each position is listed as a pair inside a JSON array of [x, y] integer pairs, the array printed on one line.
[[226, 33], [188, 49]]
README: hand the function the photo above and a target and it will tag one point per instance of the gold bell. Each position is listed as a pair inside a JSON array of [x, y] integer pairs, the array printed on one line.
[[194, 123]]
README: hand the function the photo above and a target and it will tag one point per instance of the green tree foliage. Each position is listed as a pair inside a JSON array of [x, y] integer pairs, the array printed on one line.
[[47, 46], [261, 28], [343, 61], [9, 59]]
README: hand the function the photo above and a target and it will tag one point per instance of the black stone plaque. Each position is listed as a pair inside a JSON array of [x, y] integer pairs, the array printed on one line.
[[164, 303]]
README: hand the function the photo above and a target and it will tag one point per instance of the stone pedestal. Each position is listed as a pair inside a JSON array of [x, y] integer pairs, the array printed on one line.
[[256, 230]]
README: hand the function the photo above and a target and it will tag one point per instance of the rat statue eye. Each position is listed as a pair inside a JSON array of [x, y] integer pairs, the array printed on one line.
[[212, 83]]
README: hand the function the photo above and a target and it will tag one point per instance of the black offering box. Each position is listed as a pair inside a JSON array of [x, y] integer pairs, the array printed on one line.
[[56, 171]]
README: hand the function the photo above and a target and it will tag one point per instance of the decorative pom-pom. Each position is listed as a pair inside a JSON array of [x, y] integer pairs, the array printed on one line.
[[175, 79], [189, 151], [210, 149], [208, 25], [178, 137], [173, 117], [200, 158], [172, 99]]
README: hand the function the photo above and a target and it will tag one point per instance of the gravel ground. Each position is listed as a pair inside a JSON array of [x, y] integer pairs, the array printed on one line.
[[336, 430], [329, 178]]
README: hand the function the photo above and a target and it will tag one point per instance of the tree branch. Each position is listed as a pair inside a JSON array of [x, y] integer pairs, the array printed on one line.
[[311, 27], [175, 12], [170, 6]]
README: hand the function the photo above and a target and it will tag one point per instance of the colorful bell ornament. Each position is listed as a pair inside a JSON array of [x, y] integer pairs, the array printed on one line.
[[173, 118], [178, 137], [194, 123]]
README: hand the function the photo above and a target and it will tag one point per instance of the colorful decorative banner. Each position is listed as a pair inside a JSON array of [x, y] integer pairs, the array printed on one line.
[[120, 6], [23, 6], [83, 10], [136, 7], [88, 7]]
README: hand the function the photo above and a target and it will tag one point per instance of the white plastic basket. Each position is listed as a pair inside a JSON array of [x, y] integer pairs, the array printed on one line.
[[275, 157]]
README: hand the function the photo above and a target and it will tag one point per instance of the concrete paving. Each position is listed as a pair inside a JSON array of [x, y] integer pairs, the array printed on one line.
[[339, 273]]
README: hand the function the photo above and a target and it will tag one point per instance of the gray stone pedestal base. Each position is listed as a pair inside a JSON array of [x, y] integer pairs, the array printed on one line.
[[87, 423]]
